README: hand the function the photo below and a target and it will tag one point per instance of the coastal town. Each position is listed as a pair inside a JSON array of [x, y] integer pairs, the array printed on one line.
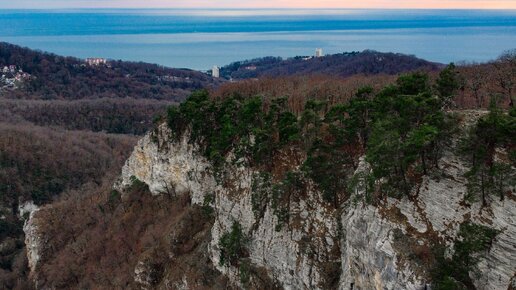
[[12, 76]]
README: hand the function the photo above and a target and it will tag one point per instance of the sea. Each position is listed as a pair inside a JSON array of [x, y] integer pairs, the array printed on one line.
[[201, 38]]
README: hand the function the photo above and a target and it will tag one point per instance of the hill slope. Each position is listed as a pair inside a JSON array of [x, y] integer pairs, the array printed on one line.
[[56, 77], [367, 62]]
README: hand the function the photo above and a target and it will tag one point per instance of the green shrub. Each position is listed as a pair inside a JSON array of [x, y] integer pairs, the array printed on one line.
[[232, 246], [327, 167], [114, 198], [207, 208], [447, 83], [245, 272], [260, 193], [278, 194], [409, 130], [283, 193], [137, 184], [487, 175], [10, 228], [454, 272], [288, 128], [363, 182]]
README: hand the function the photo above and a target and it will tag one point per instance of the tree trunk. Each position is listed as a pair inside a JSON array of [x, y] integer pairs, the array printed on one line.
[[502, 178], [484, 203], [405, 184], [423, 162]]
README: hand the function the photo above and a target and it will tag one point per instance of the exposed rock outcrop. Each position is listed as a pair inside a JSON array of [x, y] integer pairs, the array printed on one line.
[[168, 167], [357, 246], [34, 240], [295, 255]]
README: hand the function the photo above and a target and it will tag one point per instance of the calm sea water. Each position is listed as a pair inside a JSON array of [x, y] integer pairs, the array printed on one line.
[[199, 39]]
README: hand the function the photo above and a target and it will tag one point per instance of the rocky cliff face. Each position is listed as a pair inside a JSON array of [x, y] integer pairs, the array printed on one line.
[[295, 255], [357, 246], [374, 258], [33, 238]]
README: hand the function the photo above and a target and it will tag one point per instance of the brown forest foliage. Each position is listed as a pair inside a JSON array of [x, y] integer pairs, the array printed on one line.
[[118, 116], [479, 83], [299, 89], [105, 235], [41, 164], [367, 62]]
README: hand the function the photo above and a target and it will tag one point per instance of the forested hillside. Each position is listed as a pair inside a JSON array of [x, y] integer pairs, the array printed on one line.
[[346, 64], [477, 84], [66, 78], [110, 115]]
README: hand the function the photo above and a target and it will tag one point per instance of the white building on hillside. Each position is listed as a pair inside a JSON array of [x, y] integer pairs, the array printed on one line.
[[215, 72], [319, 52], [96, 61]]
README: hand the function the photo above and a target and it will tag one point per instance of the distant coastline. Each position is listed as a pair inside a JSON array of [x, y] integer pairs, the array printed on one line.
[[201, 38]]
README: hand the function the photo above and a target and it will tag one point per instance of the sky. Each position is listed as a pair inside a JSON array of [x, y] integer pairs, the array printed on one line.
[[389, 4]]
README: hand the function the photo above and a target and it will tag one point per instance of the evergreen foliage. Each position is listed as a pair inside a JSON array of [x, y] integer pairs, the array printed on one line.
[[453, 273], [327, 167], [207, 205], [402, 130], [448, 83], [489, 175], [222, 125], [409, 129], [232, 246], [261, 186]]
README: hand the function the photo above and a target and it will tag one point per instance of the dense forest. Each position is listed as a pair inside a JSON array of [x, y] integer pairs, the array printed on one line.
[[110, 115], [346, 64]]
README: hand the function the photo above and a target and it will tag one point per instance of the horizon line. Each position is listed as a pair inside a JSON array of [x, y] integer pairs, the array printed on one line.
[[254, 8]]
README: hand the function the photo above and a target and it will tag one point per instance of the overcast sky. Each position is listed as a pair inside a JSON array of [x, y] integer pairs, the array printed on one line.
[[468, 4]]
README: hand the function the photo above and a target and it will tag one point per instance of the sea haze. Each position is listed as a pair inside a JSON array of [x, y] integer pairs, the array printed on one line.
[[199, 39]]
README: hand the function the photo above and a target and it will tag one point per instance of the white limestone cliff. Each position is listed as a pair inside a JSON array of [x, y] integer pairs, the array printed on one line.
[[34, 240], [297, 255]]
